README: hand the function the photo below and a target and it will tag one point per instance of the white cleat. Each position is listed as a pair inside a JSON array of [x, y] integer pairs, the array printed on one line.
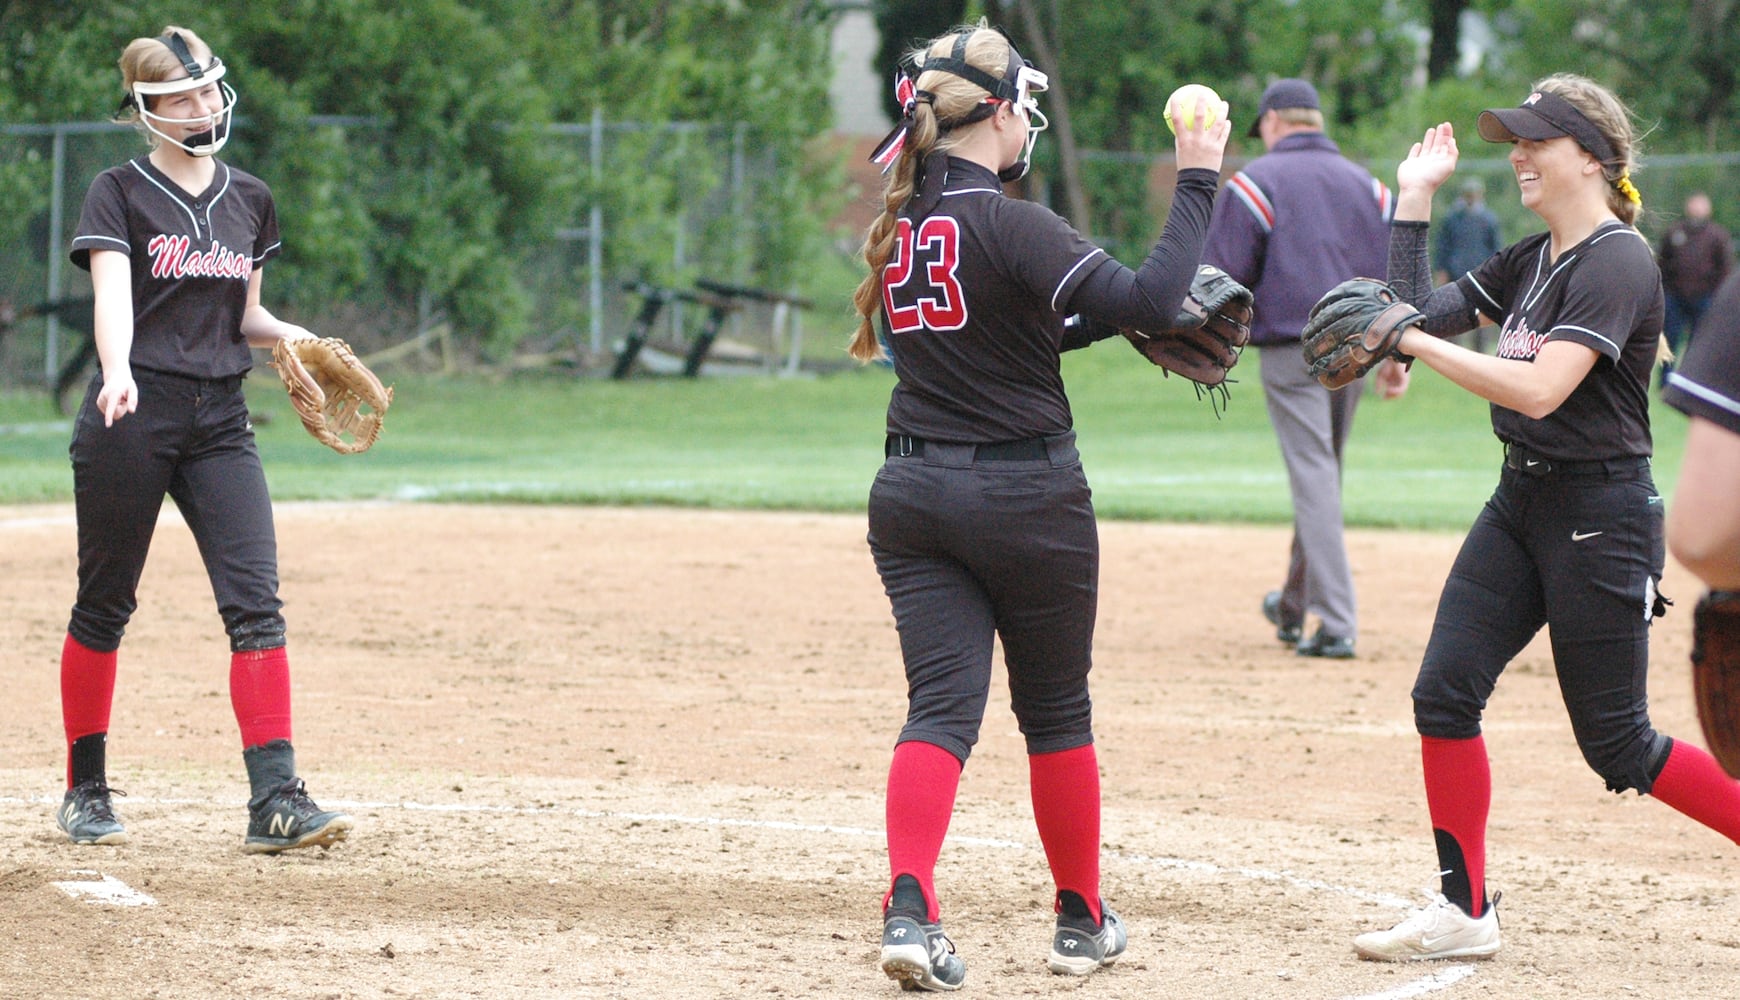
[[1441, 930]]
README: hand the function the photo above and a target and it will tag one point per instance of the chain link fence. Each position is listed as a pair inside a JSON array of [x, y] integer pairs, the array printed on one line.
[[641, 206], [672, 206]]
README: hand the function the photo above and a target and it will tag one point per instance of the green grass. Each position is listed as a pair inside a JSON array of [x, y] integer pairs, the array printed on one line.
[[1152, 449]]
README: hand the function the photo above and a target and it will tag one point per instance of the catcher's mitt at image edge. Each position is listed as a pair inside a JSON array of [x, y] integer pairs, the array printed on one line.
[[1716, 674]]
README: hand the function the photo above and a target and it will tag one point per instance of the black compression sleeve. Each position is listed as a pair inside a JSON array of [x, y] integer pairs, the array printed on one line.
[[1080, 331], [1150, 296], [1447, 311]]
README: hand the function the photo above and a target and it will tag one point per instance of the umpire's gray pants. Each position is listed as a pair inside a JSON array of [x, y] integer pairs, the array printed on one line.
[[1311, 424]]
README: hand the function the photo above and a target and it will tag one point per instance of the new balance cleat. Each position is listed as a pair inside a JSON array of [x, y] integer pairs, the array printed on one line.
[[919, 956], [88, 816], [289, 819], [1079, 947], [1441, 930]]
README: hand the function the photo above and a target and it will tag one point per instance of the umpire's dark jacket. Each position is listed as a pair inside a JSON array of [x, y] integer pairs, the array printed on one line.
[[1293, 224]]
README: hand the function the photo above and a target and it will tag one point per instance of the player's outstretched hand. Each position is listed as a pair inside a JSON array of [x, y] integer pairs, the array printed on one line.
[[1430, 162], [118, 397], [1203, 147]]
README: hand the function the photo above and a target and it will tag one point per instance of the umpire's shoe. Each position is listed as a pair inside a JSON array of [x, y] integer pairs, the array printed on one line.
[[287, 819], [88, 816], [1287, 632], [1322, 643], [919, 956], [1081, 946]]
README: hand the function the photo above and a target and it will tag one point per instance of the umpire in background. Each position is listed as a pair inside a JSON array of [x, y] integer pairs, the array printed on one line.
[[1290, 226]]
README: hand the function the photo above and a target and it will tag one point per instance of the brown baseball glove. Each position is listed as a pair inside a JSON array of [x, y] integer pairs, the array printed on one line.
[[1352, 328], [340, 401], [1716, 674], [1212, 327]]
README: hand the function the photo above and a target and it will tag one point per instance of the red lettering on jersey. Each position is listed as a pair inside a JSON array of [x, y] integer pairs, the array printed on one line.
[[1519, 342], [938, 244], [166, 254], [894, 275], [170, 258]]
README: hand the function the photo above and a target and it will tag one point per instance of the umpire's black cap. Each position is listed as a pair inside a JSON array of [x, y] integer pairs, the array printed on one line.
[[1288, 93]]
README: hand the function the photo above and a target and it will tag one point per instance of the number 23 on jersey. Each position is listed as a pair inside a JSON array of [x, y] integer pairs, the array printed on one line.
[[926, 259]]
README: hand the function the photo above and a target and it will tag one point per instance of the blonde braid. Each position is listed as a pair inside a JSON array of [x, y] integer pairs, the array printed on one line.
[[879, 240]]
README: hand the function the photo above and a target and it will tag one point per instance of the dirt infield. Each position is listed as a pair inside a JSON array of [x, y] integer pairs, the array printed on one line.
[[609, 753]]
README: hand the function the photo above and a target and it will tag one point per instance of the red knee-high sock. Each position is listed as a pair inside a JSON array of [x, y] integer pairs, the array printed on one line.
[[922, 781], [1066, 807], [1692, 782], [87, 690], [260, 695], [1459, 796]]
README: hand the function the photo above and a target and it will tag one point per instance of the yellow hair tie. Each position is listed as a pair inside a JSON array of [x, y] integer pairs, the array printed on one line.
[[1625, 187]]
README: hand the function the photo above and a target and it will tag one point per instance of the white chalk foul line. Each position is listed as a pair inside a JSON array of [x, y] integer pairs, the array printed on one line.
[[1439, 980], [1443, 979], [95, 887]]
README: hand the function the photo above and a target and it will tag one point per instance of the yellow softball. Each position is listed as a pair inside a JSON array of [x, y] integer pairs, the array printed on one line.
[[1183, 102]]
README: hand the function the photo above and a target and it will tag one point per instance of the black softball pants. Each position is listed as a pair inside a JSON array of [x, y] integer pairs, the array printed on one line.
[[973, 548], [189, 439], [1580, 551]]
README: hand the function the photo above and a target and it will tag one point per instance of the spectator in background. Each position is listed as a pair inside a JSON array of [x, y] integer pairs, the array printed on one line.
[[1695, 255], [1293, 224], [1468, 235], [1466, 238]]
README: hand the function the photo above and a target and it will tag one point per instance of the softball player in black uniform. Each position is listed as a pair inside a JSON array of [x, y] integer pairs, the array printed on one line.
[[1704, 525], [1572, 536], [981, 523], [175, 241]]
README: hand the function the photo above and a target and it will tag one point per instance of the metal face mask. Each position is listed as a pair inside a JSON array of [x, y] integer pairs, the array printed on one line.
[[1028, 81], [206, 141]]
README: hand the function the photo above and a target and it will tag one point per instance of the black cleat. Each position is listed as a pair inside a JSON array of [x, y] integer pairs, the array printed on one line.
[[289, 819], [88, 816], [1079, 947], [919, 956]]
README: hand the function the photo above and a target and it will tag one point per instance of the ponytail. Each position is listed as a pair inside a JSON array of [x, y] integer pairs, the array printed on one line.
[[879, 240]]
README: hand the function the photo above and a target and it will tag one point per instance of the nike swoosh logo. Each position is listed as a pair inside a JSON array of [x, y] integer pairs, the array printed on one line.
[[1531, 463], [1431, 944], [1577, 536]]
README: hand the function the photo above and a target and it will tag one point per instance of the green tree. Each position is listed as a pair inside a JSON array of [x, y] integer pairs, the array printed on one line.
[[904, 25], [453, 175], [1119, 63]]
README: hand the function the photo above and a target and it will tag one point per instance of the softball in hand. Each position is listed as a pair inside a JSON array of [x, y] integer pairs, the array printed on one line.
[[1183, 101]]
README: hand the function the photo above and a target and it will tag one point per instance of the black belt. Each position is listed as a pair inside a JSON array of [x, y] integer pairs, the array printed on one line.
[[1030, 450], [1534, 463], [226, 384]]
